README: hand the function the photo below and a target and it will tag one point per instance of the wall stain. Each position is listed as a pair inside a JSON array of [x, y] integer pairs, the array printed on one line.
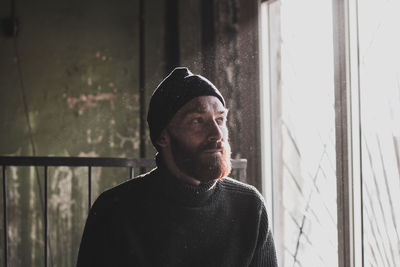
[[84, 102], [91, 140], [128, 139]]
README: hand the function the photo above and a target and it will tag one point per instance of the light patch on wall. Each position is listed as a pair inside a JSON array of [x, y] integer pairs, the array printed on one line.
[[129, 104], [33, 200], [14, 201], [133, 140], [13, 190], [229, 72], [33, 116], [111, 136], [89, 154], [61, 199], [103, 57], [91, 141], [84, 102]]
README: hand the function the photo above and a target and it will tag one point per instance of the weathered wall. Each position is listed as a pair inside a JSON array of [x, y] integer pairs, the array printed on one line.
[[79, 70], [237, 75], [78, 66]]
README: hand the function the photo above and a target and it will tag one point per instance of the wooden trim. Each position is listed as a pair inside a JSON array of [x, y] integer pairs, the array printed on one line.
[[345, 146], [276, 138]]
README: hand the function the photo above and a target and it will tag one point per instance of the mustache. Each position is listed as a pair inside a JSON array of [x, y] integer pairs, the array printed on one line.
[[213, 145]]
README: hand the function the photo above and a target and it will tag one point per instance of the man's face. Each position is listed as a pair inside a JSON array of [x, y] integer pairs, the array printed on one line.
[[198, 139]]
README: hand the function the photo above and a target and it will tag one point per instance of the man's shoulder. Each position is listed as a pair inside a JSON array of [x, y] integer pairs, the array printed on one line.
[[231, 184], [132, 184], [133, 188], [236, 187]]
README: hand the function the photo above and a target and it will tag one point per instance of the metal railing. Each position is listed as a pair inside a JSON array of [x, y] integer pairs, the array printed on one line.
[[238, 166]]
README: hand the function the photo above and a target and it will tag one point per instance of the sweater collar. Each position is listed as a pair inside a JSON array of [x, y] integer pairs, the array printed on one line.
[[184, 193]]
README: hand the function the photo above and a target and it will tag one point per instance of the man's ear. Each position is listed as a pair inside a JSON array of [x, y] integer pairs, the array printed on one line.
[[163, 140]]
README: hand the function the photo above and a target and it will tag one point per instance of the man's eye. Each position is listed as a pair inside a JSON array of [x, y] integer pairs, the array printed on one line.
[[220, 120], [197, 120]]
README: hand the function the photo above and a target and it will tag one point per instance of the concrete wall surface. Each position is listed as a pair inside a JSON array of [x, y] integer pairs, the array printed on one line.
[[69, 86]]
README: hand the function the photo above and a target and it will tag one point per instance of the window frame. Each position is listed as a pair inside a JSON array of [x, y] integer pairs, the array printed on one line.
[[347, 126]]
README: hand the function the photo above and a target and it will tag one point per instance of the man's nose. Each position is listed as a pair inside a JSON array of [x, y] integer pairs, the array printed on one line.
[[214, 131]]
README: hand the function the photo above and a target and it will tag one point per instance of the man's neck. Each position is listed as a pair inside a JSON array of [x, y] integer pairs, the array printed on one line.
[[174, 170]]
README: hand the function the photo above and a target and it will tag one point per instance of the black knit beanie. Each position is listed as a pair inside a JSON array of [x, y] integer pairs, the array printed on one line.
[[178, 88]]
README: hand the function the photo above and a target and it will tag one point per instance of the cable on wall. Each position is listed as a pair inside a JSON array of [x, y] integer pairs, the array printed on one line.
[[15, 31]]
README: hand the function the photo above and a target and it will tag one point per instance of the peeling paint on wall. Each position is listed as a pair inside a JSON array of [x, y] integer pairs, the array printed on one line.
[[134, 141], [60, 199], [13, 192], [88, 101], [91, 140], [83, 101]]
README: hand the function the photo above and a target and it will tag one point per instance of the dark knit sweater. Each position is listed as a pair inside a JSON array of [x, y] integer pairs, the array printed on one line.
[[156, 220]]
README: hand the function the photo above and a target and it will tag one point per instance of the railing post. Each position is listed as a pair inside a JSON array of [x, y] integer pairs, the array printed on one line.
[[46, 230], [90, 186], [5, 217], [131, 173]]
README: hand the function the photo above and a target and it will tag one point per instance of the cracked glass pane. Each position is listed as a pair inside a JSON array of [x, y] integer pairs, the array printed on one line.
[[306, 232], [379, 69]]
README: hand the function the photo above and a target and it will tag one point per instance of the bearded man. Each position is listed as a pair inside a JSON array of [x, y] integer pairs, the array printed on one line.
[[185, 212]]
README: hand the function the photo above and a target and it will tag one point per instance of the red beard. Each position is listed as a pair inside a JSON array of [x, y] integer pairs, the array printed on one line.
[[199, 165]]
